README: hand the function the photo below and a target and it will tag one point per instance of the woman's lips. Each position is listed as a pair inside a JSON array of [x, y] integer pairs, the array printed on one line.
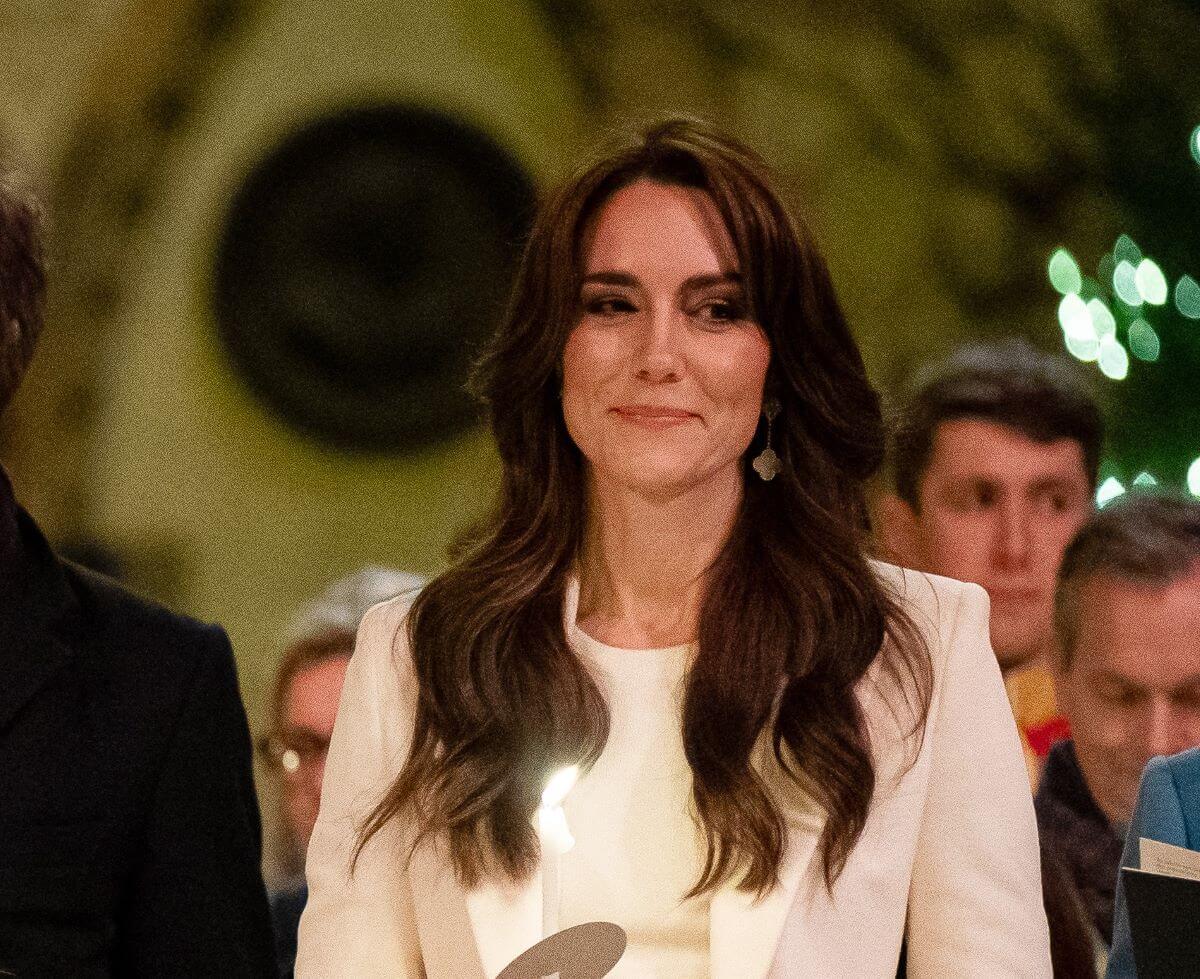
[[652, 416]]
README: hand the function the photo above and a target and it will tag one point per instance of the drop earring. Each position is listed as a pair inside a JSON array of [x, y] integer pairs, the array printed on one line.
[[767, 463]]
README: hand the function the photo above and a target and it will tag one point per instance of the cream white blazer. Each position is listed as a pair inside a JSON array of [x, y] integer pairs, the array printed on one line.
[[948, 857]]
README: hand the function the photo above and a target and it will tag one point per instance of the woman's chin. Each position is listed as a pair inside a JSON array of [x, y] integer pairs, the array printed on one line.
[[661, 481]]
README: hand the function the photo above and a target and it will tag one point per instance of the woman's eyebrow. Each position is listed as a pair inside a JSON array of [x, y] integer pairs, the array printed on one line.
[[712, 279], [702, 281], [611, 278]]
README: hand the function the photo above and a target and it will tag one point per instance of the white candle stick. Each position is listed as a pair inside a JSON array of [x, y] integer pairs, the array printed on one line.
[[555, 839]]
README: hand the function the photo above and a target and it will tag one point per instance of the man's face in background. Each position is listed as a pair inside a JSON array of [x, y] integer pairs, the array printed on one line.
[[997, 508], [309, 711], [1130, 686]]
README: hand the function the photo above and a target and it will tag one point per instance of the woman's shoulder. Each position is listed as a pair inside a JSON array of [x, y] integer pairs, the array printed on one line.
[[951, 617], [387, 618], [933, 605], [382, 663], [933, 602]]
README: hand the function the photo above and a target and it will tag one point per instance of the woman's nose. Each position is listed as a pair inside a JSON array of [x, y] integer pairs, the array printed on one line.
[[658, 358]]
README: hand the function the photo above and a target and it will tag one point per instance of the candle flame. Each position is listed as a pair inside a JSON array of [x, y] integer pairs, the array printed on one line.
[[561, 782], [553, 830]]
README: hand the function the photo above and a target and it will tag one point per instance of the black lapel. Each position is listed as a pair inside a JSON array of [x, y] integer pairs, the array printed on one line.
[[36, 609]]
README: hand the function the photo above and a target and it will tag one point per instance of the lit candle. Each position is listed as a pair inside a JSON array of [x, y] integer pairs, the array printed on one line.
[[555, 839]]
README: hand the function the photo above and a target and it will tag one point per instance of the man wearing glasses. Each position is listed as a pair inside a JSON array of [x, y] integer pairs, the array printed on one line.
[[308, 684]]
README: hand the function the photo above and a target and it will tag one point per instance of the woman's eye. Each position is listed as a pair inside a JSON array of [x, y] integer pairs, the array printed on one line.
[[721, 311], [608, 306]]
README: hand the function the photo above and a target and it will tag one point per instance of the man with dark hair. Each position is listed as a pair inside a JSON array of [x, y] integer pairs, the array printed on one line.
[[1127, 669], [23, 285], [129, 827], [995, 467]]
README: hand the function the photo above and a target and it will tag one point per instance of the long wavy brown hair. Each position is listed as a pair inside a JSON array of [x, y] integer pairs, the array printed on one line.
[[793, 614]]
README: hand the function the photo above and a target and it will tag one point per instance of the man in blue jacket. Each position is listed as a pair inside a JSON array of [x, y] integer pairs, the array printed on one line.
[[1127, 614], [1168, 810]]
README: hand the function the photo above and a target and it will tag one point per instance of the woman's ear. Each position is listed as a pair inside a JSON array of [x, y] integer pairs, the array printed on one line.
[[899, 531]]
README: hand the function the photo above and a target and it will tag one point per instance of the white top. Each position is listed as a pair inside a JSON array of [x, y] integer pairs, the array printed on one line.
[[948, 857], [637, 850]]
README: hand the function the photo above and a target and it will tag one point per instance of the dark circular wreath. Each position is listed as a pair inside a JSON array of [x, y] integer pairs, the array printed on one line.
[[361, 265]]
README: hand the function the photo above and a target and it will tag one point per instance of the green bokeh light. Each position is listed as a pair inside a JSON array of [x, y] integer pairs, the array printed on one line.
[[1103, 321], [1144, 479], [1109, 490], [1126, 250], [1079, 332], [1125, 284], [1063, 271], [1091, 288], [1194, 144], [1143, 341], [1075, 318], [1193, 478], [1086, 349], [1112, 359], [1151, 282], [1187, 297]]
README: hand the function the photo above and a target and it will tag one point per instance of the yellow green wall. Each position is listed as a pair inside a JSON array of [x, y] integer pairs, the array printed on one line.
[[186, 461]]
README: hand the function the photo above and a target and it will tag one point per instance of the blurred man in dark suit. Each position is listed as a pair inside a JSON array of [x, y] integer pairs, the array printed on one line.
[[129, 827]]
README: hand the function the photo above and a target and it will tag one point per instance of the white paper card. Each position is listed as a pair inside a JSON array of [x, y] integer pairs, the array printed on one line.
[[1168, 860]]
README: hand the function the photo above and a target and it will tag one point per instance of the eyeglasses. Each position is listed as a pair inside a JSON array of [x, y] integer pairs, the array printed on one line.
[[287, 751]]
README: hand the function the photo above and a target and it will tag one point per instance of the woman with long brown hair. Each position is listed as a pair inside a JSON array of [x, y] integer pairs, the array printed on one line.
[[792, 758]]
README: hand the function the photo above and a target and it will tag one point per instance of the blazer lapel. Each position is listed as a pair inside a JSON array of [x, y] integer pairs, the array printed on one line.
[[744, 931], [506, 920], [471, 934]]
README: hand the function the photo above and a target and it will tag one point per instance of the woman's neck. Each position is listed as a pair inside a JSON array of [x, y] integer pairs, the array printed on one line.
[[645, 560]]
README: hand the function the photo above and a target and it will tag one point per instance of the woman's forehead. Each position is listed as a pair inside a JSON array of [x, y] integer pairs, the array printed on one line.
[[649, 224]]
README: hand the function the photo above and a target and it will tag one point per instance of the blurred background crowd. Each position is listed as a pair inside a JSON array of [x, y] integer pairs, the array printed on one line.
[[278, 231]]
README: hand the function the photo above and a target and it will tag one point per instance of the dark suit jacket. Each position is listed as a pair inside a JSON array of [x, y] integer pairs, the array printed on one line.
[[1075, 829], [129, 827], [286, 908]]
